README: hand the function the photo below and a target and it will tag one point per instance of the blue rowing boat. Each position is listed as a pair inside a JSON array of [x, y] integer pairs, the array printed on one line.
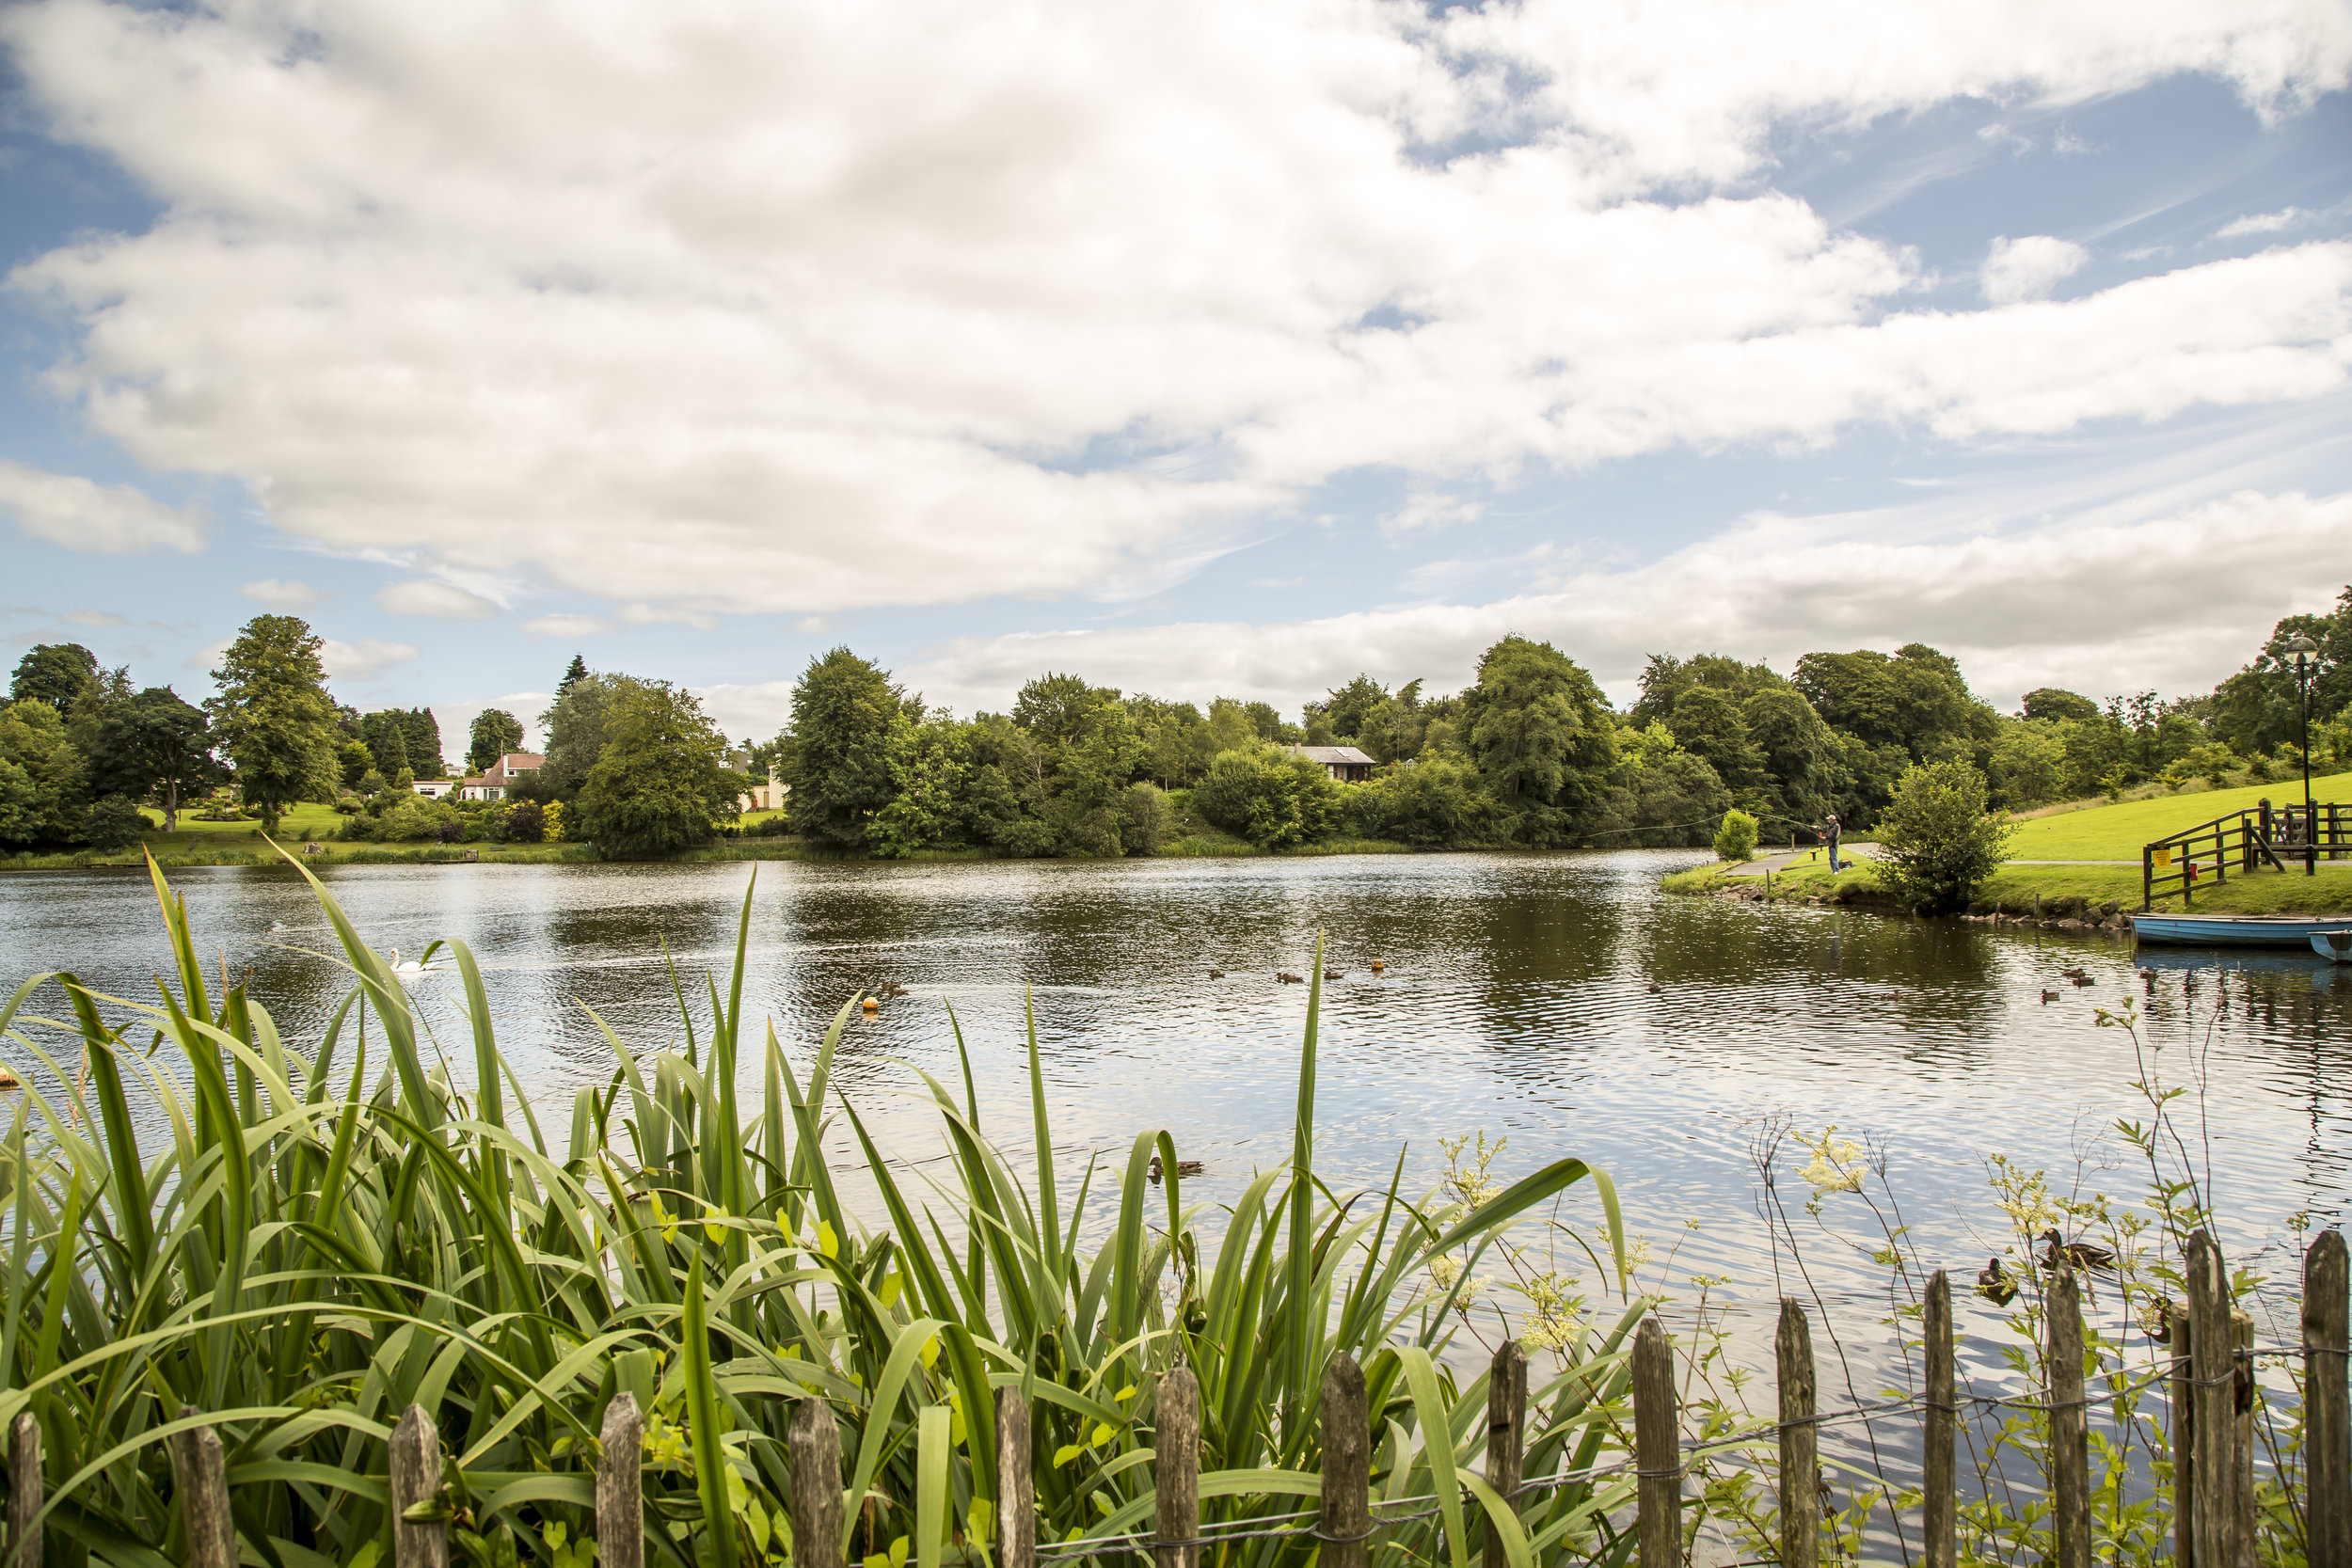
[[2333, 946], [2235, 930]]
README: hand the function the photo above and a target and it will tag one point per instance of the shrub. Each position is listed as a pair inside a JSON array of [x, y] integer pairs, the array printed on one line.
[[113, 823], [1435, 803], [1143, 819], [525, 822], [1270, 797], [1937, 843], [411, 818], [1735, 839]]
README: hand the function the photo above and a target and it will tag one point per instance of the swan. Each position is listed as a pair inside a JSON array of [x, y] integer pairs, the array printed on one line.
[[411, 969]]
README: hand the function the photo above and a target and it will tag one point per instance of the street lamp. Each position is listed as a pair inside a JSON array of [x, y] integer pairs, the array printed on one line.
[[2302, 647]]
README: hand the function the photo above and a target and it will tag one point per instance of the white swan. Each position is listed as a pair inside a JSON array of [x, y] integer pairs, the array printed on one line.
[[411, 969]]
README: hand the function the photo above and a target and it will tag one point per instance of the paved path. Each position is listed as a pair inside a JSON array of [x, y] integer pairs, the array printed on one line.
[[1817, 855]]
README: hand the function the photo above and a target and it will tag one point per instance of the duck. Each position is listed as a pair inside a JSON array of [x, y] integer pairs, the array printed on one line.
[[2080, 980], [1335, 975], [272, 926], [2155, 1321], [2048, 997], [1655, 988], [1289, 979], [1994, 1285], [2081, 1255], [890, 987], [1216, 975], [1184, 1167]]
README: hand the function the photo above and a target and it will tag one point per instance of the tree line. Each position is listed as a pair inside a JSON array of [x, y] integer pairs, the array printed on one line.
[[1531, 753]]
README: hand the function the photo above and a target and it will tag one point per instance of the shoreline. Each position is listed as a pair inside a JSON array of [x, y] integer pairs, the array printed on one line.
[[2080, 896]]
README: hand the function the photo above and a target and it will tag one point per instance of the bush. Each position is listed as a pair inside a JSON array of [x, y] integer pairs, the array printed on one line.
[[525, 822], [1937, 843], [1270, 797], [1735, 839], [1143, 819], [1438, 801], [411, 818], [113, 823]]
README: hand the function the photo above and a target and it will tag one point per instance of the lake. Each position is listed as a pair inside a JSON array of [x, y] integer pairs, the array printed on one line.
[[1557, 1000]]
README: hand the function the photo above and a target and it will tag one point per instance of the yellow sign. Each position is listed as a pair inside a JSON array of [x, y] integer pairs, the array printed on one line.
[[2164, 856]]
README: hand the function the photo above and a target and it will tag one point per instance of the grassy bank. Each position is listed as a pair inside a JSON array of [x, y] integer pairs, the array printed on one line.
[[2048, 892], [2096, 830]]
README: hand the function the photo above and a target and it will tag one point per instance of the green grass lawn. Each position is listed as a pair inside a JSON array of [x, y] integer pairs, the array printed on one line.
[[2117, 833]]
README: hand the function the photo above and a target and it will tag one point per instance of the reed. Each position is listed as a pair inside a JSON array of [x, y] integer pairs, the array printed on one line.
[[318, 1233]]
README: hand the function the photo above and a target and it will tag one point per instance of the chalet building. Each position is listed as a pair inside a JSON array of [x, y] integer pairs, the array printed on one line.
[[491, 784], [433, 789], [1343, 763]]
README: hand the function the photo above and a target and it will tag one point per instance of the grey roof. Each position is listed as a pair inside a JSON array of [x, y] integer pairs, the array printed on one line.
[[1328, 755]]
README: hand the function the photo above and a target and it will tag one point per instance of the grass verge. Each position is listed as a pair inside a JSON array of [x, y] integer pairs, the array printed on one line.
[[2052, 892]]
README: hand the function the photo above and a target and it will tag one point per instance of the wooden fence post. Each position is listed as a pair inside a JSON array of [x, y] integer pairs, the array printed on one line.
[[2184, 1438], [1016, 1484], [1657, 1447], [2211, 1420], [2327, 1418], [620, 1485], [1800, 1440], [2070, 1429], [415, 1479], [2241, 1391], [199, 1475], [24, 1492], [1347, 1464], [1506, 1436], [1940, 1505], [1176, 1470], [814, 1452]]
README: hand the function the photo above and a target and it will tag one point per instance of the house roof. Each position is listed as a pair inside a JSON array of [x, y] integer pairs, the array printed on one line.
[[1330, 754]]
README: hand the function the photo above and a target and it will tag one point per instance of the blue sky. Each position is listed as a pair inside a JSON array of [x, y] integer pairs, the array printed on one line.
[[1223, 354]]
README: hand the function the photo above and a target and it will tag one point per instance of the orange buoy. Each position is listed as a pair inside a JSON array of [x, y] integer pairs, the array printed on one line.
[[872, 1005]]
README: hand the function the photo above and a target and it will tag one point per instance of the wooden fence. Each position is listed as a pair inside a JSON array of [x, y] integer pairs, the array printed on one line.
[[2209, 1384], [2174, 866]]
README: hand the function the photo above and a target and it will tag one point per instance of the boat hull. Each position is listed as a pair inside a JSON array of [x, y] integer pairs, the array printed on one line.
[[2233, 930], [2335, 946]]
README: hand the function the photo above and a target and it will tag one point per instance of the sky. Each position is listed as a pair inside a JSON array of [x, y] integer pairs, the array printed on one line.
[[1229, 348]]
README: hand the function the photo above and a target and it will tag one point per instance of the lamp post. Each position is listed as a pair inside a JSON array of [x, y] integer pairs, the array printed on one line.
[[2302, 647]]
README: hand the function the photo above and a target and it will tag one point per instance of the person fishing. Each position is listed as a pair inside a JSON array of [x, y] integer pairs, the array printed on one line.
[[1830, 832]]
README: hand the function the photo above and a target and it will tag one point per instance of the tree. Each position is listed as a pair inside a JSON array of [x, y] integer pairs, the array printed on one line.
[[574, 672], [43, 792], [496, 732], [274, 718], [1711, 727], [661, 781], [2053, 701], [1937, 842], [114, 823], [1435, 804], [928, 764], [1541, 732], [838, 762], [425, 743], [59, 674], [574, 727], [384, 734], [1735, 839], [154, 744]]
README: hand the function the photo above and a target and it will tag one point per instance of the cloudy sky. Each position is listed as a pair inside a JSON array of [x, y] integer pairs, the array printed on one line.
[[1229, 347]]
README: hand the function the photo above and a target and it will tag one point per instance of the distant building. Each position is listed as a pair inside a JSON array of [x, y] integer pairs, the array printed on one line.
[[1343, 763], [494, 781], [433, 789], [763, 796]]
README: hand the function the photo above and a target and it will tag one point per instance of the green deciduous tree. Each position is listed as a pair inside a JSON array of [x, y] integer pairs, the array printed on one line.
[[837, 757], [1540, 731], [662, 782], [1435, 804], [62, 674], [42, 791], [574, 727], [1937, 841], [1269, 796], [273, 716], [155, 744], [496, 732], [927, 765]]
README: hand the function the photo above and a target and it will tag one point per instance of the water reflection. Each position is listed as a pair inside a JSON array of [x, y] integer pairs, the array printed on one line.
[[1558, 999]]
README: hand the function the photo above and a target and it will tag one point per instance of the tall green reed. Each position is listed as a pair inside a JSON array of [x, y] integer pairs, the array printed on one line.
[[326, 1232]]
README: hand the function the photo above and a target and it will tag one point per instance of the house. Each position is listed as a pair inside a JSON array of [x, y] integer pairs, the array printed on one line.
[[433, 789], [491, 784], [1343, 763], [763, 796]]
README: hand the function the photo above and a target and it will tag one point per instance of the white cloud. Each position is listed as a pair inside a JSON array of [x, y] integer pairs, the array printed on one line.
[[361, 659], [566, 626], [784, 309], [2175, 602], [456, 720], [94, 618], [75, 513], [440, 600], [758, 710], [2264, 223], [2028, 268], [281, 593]]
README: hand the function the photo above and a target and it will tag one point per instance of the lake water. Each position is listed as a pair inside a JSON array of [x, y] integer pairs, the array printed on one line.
[[1557, 1000]]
